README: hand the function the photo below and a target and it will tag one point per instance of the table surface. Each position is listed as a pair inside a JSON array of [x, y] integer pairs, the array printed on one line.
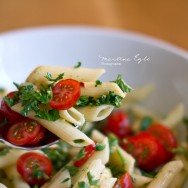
[[166, 20]]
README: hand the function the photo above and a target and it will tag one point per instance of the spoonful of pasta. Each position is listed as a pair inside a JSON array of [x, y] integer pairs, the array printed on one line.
[[55, 103]]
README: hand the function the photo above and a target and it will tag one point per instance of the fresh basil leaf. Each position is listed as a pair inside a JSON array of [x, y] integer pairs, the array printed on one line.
[[72, 170], [78, 65], [99, 147], [91, 179], [83, 184]]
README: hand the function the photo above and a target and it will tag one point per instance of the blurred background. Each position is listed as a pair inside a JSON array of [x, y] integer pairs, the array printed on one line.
[[166, 20]]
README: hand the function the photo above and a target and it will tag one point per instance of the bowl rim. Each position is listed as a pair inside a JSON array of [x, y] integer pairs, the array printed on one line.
[[100, 31]]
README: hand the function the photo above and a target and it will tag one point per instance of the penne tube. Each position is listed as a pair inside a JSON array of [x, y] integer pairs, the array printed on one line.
[[72, 116], [108, 183], [95, 168], [79, 74], [95, 113], [10, 158], [2, 186], [139, 180], [174, 117], [165, 176], [139, 94], [17, 181], [90, 89], [97, 136], [61, 128]]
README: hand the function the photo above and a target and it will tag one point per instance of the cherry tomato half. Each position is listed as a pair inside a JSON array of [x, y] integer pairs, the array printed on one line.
[[34, 168], [39, 136], [118, 123], [23, 132], [165, 137], [146, 149], [7, 112], [124, 181], [89, 150], [65, 94]]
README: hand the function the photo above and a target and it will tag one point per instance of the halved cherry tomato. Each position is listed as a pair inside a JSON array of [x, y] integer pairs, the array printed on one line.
[[23, 132], [65, 94], [89, 150], [124, 181], [34, 168], [7, 112], [118, 123], [146, 149], [39, 136], [165, 137], [2, 117]]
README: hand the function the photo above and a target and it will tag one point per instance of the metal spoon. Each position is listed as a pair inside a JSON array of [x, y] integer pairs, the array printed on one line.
[[48, 140]]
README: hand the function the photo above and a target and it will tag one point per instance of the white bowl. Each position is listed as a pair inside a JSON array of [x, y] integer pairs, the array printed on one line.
[[118, 52]]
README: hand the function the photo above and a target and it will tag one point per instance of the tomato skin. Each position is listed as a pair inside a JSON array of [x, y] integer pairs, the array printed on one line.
[[7, 112], [124, 181], [22, 132], [27, 163], [65, 94], [89, 150], [147, 151], [165, 137], [118, 123], [39, 136]]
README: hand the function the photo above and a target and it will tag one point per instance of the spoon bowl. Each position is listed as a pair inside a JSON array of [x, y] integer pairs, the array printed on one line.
[[48, 140]]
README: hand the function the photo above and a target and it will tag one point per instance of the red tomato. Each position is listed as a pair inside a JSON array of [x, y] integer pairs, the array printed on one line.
[[89, 150], [34, 168], [118, 123], [124, 181], [39, 136], [147, 151], [7, 112], [2, 117], [165, 137], [65, 94], [23, 132]]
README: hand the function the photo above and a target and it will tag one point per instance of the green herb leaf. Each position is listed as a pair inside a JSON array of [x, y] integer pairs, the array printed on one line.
[[83, 126], [98, 82], [72, 170], [145, 123], [83, 184], [39, 174], [121, 83], [123, 160], [78, 141], [4, 151], [99, 147], [113, 141], [91, 179], [65, 180], [111, 98], [182, 150], [53, 80], [78, 65], [81, 154]]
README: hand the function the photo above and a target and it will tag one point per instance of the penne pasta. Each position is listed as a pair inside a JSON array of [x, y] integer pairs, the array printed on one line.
[[139, 180], [79, 74], [72, 116], [2, 186], [61, 128], [165, 176], [174, 117], [95, 113], [90, 89], [108, 183]]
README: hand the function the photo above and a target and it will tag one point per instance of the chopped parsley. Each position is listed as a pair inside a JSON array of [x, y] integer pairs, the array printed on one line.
[[83, 184], [99, 147], [111, 98], [81, 154], [58, 156], [39, 174], [113, 141], [65, 180], [72, 170], [78, 141], [78, 65], [4, 122], [182, 150], [98, 82], [145, 123], [91, 179], [36, 100], [4, 151], [121, 83]]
